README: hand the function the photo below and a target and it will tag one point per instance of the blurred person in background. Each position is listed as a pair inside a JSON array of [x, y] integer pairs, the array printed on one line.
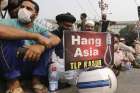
[[105, 24], [9, 8], [81, 25], [13, 7], [89, 25], [3, 8]]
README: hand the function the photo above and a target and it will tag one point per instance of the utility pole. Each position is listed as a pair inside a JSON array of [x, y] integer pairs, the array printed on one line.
[[104, 23], [104, 7]]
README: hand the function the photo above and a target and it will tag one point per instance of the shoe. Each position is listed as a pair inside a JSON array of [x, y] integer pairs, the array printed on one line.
[[14, 86]]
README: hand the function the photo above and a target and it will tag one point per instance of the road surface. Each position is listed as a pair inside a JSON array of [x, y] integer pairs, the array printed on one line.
[[128, 82]]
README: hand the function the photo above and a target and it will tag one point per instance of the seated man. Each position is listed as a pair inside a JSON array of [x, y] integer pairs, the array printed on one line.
[[65, 22], [37, 53]]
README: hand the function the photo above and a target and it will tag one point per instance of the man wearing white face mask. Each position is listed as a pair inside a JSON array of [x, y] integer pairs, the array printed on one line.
[[24, 15], [36, 56]]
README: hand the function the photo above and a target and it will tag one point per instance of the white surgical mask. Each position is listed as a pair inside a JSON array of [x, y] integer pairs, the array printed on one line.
[[24, 15], [4, 4]]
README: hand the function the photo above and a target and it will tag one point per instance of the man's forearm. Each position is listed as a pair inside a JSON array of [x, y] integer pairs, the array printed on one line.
[[53, 40], [10, 33]]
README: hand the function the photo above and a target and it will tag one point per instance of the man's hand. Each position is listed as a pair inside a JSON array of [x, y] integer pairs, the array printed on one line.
[[44, 41], [34, 52], [49, 41]]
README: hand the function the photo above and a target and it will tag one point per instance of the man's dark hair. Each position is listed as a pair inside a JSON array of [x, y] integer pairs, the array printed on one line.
[[33, 2], [65, 17], [84, 15], [12, 4], [116, 35], [13, 7]]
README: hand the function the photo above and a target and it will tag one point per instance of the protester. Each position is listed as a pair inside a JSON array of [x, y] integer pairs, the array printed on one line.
[[81, 25], [105, 23], [65, 22], [37, 53], [89, 25], [137, 49], [123, 54]]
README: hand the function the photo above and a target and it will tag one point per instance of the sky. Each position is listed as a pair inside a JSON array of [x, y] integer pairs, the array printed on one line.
[[118, 10]]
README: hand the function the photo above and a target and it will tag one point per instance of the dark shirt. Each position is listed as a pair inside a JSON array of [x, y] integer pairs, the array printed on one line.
[[59, 47], [104, 26]]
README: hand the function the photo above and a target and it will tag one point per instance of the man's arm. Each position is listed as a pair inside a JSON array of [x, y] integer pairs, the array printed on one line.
[[126, 48], [11, 33], [53, 40], [34, 51]]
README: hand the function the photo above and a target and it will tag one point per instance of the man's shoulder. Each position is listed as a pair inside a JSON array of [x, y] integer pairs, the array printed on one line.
[[39, 28], [56, 32]]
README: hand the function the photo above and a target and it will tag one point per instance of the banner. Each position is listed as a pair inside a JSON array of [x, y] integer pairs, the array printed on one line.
[[87, 49]]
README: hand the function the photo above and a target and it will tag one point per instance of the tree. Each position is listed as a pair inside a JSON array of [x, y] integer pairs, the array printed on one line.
[[129, 34]]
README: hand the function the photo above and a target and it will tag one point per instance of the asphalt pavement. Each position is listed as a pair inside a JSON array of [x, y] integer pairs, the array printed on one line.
[[128, 82]]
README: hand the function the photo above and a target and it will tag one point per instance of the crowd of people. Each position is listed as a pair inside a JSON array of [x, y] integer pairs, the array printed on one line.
[[26, 48], [124, 55]]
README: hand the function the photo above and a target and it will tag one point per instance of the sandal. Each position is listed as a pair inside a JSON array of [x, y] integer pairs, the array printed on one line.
[[14, 86], [16, 90], [40, 88]]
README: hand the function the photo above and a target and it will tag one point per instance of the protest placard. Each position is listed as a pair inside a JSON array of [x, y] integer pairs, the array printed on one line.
[[87, 49]]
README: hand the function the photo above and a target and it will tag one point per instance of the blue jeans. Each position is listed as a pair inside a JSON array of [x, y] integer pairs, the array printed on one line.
[[12, 67]]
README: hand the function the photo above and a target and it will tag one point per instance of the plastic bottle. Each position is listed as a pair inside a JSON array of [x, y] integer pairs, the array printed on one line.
[[53, 78], [129, 66]]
